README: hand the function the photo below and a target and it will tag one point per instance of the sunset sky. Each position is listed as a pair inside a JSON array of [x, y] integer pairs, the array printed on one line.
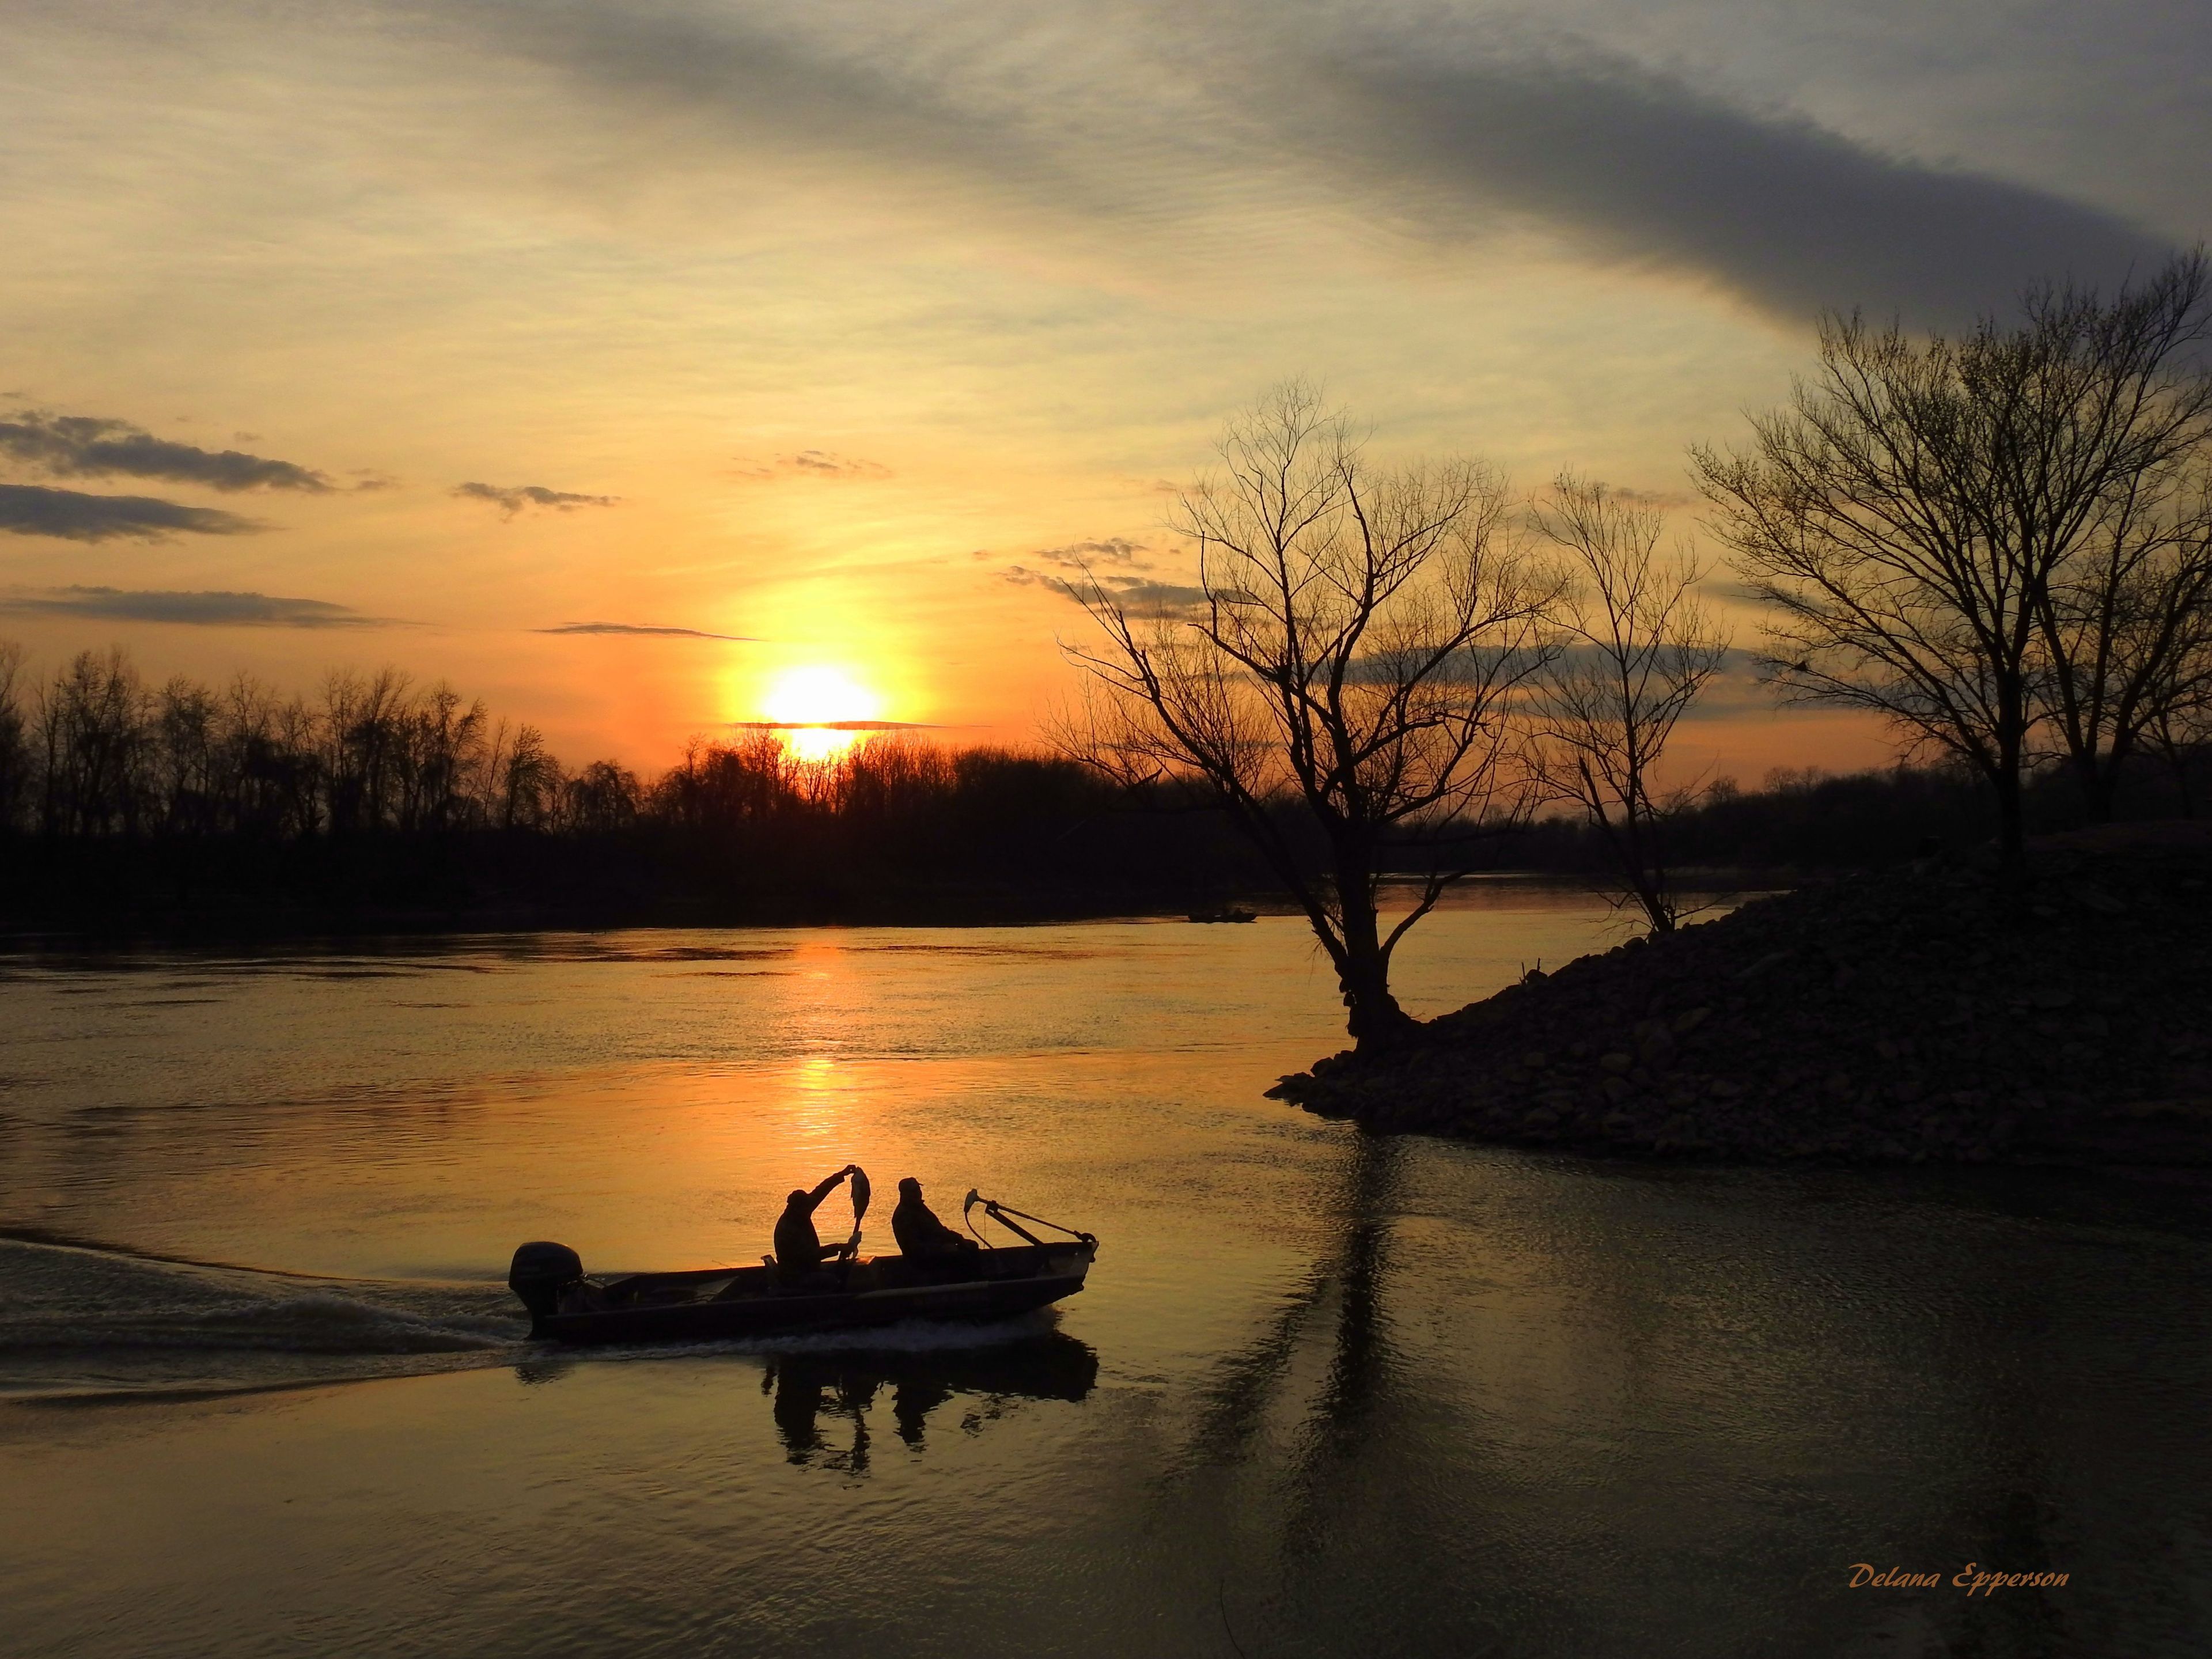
[[736, 338]]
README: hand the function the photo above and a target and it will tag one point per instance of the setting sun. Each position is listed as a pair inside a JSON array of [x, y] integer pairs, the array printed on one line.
[[816, 701]]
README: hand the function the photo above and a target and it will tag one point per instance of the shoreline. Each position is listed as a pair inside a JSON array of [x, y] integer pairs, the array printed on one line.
[[912, 907], [1934, 1015]]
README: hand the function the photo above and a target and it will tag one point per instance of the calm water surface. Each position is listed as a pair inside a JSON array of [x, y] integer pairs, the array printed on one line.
[[263, 1392]]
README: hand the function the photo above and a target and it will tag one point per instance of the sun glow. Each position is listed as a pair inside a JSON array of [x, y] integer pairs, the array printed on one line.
[[814, 702]]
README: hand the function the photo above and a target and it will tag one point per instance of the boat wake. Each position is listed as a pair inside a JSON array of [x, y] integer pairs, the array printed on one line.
[[86, 1321], [82, 1323]]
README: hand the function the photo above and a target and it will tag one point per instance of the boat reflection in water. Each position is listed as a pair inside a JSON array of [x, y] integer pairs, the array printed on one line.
[[808, 1387]]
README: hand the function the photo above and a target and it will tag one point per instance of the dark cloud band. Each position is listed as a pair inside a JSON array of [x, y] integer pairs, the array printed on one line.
[[1645, 167], [512, 499], [642, 631], [210, 609], [91, 446], [75, 516]]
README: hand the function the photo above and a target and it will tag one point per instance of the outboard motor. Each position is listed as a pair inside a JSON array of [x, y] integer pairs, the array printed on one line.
[[541, 1272]]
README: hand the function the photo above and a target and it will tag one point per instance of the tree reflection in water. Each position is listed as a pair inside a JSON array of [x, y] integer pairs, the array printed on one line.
[[1341, 1292], [806, 1386]]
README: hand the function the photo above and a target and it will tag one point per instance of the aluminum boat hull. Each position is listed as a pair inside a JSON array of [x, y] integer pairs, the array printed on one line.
[[717, 1304]]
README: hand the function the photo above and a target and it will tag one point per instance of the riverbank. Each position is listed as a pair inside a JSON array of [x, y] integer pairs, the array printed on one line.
[[1937, 1013], [130, 918]]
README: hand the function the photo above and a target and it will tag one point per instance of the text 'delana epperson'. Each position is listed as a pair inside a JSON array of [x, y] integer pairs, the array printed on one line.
[[1971, 1578]]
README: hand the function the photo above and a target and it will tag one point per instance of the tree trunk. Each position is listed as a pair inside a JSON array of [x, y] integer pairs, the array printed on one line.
[[2099, 784], [1372, 1015], [1657, 909], [2012, 834]]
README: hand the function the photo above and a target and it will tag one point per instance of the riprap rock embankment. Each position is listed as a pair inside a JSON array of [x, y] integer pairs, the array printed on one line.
[[1937, 1013]]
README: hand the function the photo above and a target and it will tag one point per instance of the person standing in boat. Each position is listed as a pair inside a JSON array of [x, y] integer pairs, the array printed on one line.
[[921, 1237], [799, 1251]]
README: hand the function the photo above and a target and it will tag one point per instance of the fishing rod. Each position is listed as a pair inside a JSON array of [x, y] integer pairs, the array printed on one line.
[[999, 1213]]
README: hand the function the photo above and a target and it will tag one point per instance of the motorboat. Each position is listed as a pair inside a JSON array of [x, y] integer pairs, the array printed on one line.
[[707, 1305]]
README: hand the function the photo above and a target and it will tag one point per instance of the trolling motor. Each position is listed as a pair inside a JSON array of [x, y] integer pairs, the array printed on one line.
[[1002, 1212]]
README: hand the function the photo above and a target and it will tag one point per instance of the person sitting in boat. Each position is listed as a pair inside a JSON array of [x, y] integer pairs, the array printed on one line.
[[921, 1237], [799, 1251]]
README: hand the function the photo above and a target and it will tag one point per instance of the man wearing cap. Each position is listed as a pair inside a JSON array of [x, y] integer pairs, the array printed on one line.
[[921, 1237]]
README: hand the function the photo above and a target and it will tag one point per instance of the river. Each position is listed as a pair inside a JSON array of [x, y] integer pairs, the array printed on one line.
[[263, 1391]]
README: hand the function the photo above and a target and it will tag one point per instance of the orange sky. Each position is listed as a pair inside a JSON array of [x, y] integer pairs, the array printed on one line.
[[827, 328]]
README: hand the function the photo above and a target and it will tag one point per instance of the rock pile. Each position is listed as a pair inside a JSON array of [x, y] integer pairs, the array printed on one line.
[[1937, 1013]]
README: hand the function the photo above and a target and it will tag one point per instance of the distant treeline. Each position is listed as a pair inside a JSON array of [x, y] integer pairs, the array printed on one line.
[[378, 802], [1814, 821]]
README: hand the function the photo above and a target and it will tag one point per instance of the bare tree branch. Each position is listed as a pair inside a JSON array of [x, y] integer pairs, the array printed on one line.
[[1640, 647], [1351, 681]]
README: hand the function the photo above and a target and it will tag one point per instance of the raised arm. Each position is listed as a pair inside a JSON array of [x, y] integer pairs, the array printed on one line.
[[829, 1186]]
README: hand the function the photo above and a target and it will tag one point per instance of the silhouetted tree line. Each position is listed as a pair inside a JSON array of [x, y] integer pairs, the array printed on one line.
[[377, 800], [1810, 820], [376, 795]]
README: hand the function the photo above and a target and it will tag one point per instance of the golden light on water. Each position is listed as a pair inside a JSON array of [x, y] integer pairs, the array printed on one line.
[[811, 701]]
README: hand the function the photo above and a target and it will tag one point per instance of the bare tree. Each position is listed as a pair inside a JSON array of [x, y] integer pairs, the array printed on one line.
[[1908, 516], [187, 757], [364, 763], [1639, 649], [1342, 688], [527, 780], [444, 750], [2179, 737], [16, 768], [600, 800], [2127, 628], [91, 720]]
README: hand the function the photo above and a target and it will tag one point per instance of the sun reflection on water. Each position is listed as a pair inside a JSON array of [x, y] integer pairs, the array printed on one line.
[[822, 1106]]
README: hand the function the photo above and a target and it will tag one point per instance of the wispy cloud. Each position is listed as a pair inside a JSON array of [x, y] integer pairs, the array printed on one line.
[[512, 499], [1149, 598], [1140, 595], [813, 464], [94, 446], [75, 516], [1108, 553], [642, 631], [204, 609], [1735, 691], [1114, 562], [1663, 500]]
